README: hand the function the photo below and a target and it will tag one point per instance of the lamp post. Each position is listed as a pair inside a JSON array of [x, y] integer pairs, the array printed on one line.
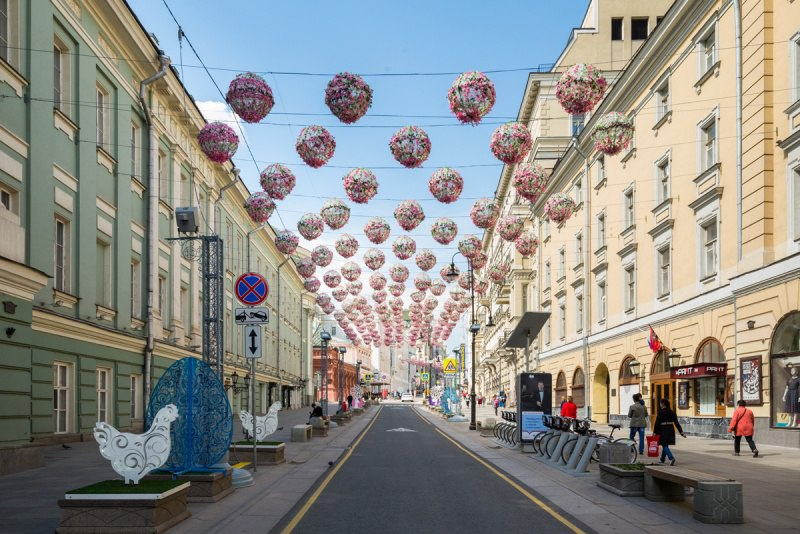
[[234, 384], [358, 378], [325, 337], [342, 351]]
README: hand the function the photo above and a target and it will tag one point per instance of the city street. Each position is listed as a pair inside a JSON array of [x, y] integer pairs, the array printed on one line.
[[404, 475]]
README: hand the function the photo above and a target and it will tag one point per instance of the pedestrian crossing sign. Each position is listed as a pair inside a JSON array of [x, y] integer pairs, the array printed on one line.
[[425, 377], [368, 378], [450, 366]]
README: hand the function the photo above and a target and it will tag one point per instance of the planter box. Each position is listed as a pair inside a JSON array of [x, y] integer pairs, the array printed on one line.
[[623, 482], [265, 454], [87, 513], [205, 487]]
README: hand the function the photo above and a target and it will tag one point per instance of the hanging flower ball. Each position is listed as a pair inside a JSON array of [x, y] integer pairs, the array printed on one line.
[[481, 286], [470, 246], [471, 97], [418, 296], [526, 244], [218, 141], [456, 294], [377, 230], [328, 309], [259, 207], [422, 282], [445, 272], [348, 96], [497, 272], [430, 305], [484, 212], [306, 267], [612, 133], [579, 88], [360, 185], [346, 245], [321, 256], [409, 214], [530, 181], [410, 146], [311, 284], [438, 287], [377, 281], [398, 272], [559, 208], [379, 296], [374, 259], [286, 241], [310, 226], [446, 185], [332, 279], [315, 146], [479, 260], [250, 97], [323, 299], [277, 181], [425, 259], [444, 230], [396, 289], [510, 227], [404, 247], [340, 293], [354, 287], [465, 280], [351, 271], [511, 142], [335, 213]]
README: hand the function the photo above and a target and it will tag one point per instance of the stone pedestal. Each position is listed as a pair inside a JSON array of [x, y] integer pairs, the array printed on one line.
[[88, 514], [623, 482], [301, 432], [265, 454], [205, 487]]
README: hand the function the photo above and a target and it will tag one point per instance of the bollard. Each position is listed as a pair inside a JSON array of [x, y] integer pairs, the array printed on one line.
[[586, 456], [577, 452], [556, 456]]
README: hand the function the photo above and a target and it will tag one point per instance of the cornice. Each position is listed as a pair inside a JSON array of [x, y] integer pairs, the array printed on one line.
[[19, 280]]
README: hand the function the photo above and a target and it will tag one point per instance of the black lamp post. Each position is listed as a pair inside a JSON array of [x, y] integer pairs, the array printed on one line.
[[342, 351], [473, 328], [325, 337], [234, 384]]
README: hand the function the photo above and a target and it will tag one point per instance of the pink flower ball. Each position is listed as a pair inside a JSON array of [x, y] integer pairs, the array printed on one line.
[[396, 289], [277, 181], [286, 241], [310, 226], [306, 267], [332, 279], [510, 227], [580, 88], [446, 185], [315, 146], [374, 258], [422, 282], [377, 230], [250, 97], [471, 97], [377, 281], [346, 245], [444, 230], [479, 260], [425, 260], [526, 244], [410, 146], [484, 212], [398, 272], [311, 284], [470, 246], [438, 287], [321, 256], [409, 214], [218, 141], [348, 97], [335, 213], [404, 247], [511, 143], [530, 181], [360, 185], [445, 272], [351, 271], [259, 207]]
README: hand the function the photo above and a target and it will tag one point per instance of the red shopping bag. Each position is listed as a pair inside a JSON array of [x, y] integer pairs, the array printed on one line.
[[652, 446]]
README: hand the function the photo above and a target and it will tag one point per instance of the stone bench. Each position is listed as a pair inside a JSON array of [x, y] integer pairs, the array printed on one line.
[[319, 427], [486, 427], [301, 432], [340, 419], [716, 499]]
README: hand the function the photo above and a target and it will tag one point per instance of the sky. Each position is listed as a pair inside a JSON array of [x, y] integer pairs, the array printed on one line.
[[408, 52]]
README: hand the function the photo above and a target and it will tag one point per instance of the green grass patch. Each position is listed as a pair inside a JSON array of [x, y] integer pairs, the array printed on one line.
[[114, 487], [638, 466], [273, 443]]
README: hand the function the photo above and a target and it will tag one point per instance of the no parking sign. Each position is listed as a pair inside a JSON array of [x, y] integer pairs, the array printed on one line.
[[251, 289]]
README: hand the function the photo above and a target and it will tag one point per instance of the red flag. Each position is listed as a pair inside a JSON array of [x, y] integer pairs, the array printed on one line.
[[653, 342]]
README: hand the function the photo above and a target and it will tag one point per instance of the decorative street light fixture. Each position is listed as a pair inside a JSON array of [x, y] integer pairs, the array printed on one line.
[[325, 337], [342, 351], [674, 358], [634, 366], [234, 384]]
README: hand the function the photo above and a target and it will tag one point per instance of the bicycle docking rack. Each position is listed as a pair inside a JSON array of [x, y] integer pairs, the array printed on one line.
[[566, 451]]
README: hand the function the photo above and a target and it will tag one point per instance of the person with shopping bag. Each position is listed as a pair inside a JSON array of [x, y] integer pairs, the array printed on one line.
[[742, 424], [666, 423], [638, 416]]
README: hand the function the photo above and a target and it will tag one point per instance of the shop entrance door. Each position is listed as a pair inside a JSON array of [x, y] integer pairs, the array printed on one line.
[[661, 389]]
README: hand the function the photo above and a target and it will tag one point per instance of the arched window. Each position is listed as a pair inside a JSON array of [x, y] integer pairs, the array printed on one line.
[[785, 372], [660, 363], [710, 351], [626, 377], [578, 395], [561, 388]]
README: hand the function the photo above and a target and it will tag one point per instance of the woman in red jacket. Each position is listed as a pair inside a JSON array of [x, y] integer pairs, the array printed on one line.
[[742, 425], [569, 409]]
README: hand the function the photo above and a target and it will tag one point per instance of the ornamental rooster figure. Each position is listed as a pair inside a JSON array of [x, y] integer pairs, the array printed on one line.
[[135, 455], [265, 424]]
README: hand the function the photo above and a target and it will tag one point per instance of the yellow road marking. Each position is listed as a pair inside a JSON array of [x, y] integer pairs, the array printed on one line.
[[566, 522], [304, 510], [241, 465]]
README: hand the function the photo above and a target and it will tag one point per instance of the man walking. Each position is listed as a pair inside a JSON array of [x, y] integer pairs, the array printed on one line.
[[638, 416]]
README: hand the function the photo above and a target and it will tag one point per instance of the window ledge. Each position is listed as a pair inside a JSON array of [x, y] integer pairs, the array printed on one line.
[[712, 70], [62, 122], [105, 159], [67, 300], [12, 77], [708, 172], [601, 183], [663, 298], [600, 250], [628, 155], [794, 107], [667, 117], [104, 313], [708, 278]]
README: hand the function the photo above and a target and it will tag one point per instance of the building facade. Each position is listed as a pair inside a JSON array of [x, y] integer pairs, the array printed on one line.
[[97, 150]]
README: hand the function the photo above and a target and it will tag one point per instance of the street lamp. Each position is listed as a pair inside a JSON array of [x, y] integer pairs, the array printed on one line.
[[674, 358], [358, 377], [234, 384], [342, 351], [634, 366], [490, 322], [325, 337]]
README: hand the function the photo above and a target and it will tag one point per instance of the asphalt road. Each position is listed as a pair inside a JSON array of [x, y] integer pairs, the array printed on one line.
[[403, 475]]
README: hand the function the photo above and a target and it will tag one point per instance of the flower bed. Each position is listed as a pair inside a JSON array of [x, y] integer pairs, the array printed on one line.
[[626, 480], [267, 453]]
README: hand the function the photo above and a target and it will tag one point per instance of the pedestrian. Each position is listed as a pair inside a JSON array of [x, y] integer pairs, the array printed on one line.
[[666, 423], [742, 425], [638, 416], [569, 408], [316, 411], [496, 403]]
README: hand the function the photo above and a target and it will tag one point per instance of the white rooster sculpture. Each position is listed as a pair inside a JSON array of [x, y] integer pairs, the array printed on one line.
[[135, 455], [265, 424]]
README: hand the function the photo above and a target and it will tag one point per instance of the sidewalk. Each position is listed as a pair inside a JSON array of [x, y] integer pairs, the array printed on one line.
[[768, 483]]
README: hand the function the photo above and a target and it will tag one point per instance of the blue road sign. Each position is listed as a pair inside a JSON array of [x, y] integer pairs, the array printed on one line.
[[251, 289]]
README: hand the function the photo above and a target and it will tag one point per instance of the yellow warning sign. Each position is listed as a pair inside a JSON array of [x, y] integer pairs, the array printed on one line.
[[450, 366]]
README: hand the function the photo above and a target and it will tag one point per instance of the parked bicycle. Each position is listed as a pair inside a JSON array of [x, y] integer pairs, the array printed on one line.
[[582, 428]]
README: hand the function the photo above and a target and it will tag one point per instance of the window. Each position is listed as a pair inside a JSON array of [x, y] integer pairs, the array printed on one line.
[[629, 208], [103, 377], [630, 287], [524, 298], [579, 249], [136, 387], [162, 296], [103, 279], [546, 327], [163, 177], [662, 179], [708, 140], [562, 320], [601, 170], [561, 388], [664, 257], [576, 122], [579, 313], [228, 332], [57, 79], [662, 100], [708, 232], [135, 156], [710, 351], [708, 51], [578, 396], [601, 301], [136, 302], [229, 237], [562, 263], [795, 58], [795, 187], [185, 309], [103, 112], [547, 273], [578, 191], [61, 393], [616, 29], [62, 256], [601, 230], [546, 229], [8, 200], [639, 29]]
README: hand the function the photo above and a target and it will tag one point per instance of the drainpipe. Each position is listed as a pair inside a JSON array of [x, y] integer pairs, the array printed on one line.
[[233, 182], [152, 222], [278, 308], [737, 21], [539, 290], [586, 299], [302, 352], [251, 232]]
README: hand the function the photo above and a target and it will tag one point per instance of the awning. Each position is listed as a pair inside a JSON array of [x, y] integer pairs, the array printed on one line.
[[699, 370], [527, 329]]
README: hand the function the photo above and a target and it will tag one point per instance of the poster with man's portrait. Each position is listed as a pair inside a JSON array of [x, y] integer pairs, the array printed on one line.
[[750, 380], [683, 395]]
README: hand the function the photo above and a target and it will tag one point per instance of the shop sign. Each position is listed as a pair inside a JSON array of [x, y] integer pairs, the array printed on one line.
[[699, 370]]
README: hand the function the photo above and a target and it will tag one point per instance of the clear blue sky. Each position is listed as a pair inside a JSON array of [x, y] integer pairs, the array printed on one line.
[[368, 38]]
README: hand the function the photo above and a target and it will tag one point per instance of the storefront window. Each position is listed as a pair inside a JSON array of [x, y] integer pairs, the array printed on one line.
[[710, 391], [706, 396], [578, 396], [561, 388], [785, 372]]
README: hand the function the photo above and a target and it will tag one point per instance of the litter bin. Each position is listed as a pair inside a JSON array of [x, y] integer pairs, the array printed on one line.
[[612, 452]]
